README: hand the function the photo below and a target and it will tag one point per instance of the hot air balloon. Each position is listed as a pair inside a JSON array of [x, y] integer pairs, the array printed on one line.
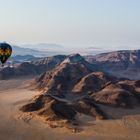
[[5, 52]]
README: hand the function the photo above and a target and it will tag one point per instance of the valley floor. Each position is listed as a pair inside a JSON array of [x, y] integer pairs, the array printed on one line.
[[13, 94]]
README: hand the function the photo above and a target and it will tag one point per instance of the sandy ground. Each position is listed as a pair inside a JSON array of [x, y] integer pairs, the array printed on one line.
[[13, 94]]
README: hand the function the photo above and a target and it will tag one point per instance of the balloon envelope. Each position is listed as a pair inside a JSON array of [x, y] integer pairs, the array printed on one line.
[[5, 52]]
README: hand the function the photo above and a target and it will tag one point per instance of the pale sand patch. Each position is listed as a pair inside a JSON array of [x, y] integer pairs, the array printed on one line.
[[13, 94]]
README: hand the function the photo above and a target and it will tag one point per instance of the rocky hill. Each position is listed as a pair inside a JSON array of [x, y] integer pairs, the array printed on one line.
[[62, 78], [121, 94], [120, 63], [31, 68], [75, 87]]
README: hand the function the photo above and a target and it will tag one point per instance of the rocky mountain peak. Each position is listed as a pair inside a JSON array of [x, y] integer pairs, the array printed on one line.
[[74, 58]]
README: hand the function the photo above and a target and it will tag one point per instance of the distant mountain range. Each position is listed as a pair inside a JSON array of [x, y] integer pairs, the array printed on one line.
[[121, 64], [25, 51], [40, 50], [44, 49]]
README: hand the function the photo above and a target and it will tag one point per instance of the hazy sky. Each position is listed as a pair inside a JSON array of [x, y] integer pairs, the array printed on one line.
[[71, 22]]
